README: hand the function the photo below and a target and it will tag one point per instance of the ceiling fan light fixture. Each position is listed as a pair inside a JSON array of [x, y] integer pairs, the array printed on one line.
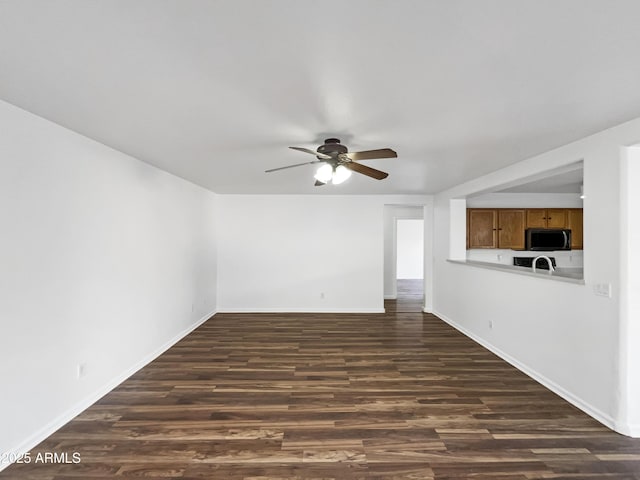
[[324, 173], [338, 163], [340, 174]]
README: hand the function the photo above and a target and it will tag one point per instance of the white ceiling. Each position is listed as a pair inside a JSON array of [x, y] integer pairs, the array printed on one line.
[[215, 91], [566, 182]]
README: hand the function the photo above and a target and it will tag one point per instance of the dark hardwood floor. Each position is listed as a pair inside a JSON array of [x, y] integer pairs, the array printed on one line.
[[410, 297], [399, 395]]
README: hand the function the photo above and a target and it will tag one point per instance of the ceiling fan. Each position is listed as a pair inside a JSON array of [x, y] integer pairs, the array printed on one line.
[[339, 163]]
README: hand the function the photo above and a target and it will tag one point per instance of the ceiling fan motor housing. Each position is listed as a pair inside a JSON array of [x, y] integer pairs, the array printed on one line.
[[333, 147]]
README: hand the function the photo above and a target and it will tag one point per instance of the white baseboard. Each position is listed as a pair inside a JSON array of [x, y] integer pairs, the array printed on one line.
[[632, 430], [628, 429], [391, 297], [590, 410], [300, 310], [85, 403]]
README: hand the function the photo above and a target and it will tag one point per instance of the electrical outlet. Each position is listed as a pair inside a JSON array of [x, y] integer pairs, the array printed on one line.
[[491, 324], [602, 289], [82, 370], [322, 295]]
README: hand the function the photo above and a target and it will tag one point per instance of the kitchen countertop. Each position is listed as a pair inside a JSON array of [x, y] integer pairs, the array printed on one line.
[[562, 274]]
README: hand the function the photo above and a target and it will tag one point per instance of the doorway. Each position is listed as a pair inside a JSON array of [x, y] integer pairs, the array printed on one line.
[[409, 264]]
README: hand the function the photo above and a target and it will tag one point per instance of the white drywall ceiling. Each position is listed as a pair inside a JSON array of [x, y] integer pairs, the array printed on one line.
[[215, 91]]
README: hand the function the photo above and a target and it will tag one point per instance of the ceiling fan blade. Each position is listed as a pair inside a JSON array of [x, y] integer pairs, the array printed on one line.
[[371, 154], [291, 166], [318, 183], [312, 152], [368, 171]]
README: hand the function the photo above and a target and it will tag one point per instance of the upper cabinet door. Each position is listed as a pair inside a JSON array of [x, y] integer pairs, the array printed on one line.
[[482, 228], [546, 218], [511, 228], [536, 217], [556, 218]]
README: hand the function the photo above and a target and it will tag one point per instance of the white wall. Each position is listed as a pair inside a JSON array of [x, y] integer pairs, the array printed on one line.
[[410, 248], [105, 261], [304, 253], [630, 287], [560, 333], [525, 200]]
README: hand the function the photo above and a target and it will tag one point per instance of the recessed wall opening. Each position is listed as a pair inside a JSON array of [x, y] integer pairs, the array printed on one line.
[[508, 224]]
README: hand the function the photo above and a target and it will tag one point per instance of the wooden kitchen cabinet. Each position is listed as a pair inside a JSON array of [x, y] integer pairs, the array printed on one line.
[[536, 217], [482, 228], [505, 227], [547, 218], [495, 228], [574, 223], [511, 228]]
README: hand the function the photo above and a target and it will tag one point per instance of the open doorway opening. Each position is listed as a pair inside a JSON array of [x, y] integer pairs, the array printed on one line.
[[409, 263], [406, 239]]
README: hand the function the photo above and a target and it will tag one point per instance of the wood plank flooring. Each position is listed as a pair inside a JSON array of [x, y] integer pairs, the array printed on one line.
[[399, 395], [410, 297]]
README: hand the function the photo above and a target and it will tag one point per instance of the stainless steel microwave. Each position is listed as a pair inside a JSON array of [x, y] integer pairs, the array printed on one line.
[[547, 239]]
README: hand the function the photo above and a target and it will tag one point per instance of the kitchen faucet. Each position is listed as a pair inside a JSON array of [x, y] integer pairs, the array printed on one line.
[[535, 260]]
